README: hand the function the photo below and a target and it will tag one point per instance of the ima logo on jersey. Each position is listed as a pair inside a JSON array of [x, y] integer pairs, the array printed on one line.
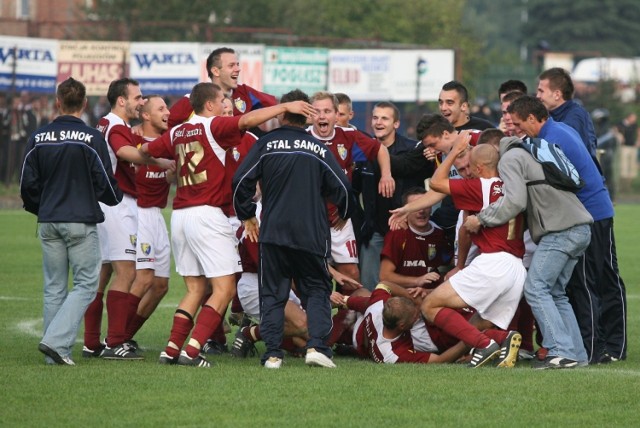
[[342, 151], [146, 248], [240, 105]]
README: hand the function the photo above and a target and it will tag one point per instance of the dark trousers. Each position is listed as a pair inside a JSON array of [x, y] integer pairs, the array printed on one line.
[[598, 296], [278, 266]]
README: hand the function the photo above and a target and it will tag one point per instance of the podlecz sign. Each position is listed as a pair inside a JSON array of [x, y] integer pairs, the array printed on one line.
[[28, 64], [164, 68], [96, 64], [295, 68], [390, 75]]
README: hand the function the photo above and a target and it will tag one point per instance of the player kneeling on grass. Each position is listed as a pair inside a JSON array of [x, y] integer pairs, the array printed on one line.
[[493, 282]]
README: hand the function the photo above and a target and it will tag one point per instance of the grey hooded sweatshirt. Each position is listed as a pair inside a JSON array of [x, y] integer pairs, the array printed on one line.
[[548, 209]]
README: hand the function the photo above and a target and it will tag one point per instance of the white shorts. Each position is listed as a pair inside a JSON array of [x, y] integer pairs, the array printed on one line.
[[203, 242], [492, 284], [343, 244], [154, 249], [118, 231], [248, 293]]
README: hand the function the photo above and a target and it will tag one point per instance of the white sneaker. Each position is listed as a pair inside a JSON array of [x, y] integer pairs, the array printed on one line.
[[273, 363], [318, 359]]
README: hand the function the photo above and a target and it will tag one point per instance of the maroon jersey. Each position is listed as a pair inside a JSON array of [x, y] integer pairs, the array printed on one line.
[[341, 145], [380, 349], [248, 252], [118, 134], [476, 193], [416, 254], [199, 149], [234, 157], [244, 99], [151, 182]]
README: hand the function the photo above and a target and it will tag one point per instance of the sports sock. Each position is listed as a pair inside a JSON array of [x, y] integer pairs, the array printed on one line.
[[134, 325], [117, 312], [454, 324], [252, 333], [236, 306], [208, 320], [179, 331], [218, 335], [338, 326], [132, 307], [93, 323], [498, 335]]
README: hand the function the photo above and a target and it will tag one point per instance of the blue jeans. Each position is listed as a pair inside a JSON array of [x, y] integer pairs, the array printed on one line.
[[544, 289], [370, 262], [64, 246]]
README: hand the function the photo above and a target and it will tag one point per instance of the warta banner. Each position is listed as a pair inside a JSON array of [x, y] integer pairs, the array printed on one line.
[[96, 64], [165, 68], [28, 64]]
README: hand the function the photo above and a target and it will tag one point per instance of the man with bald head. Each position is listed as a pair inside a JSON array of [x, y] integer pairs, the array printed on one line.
[[492, 283]]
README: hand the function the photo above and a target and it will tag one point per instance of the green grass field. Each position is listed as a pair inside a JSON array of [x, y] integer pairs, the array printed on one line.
[[241, 393]]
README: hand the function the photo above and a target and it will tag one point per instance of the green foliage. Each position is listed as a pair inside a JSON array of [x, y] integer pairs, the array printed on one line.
[[604, 27], [241, 393]]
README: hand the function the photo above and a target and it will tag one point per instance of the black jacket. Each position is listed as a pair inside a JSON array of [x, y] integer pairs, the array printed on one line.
[[66, 171], [298, 174]]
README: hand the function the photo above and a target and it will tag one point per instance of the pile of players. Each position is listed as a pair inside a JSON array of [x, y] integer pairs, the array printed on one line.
[[421, 276]]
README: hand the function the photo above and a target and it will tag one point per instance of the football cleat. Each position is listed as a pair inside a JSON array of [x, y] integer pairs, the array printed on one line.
[[166, 359], [199, 361], [92, 353], [242, 346], [509, 350], [120, 352], [481, 356], [211, 347]]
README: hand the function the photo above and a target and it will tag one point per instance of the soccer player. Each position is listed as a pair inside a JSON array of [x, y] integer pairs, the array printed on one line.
[[341, 142], [203, 240], [411, 257], [66, 171], [118, 232], [223, 68], [492, 283], [153, 251]]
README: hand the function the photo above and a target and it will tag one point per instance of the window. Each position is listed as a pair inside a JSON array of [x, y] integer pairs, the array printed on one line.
[[23, 9]]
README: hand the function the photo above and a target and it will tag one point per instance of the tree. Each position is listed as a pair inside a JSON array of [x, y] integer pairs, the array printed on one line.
[[607, 27]]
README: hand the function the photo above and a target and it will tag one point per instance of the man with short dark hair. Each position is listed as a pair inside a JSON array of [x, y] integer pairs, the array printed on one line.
[[596, 290], [66, 171], [223, 69], [555, 90], [297, 172], [453, 102]]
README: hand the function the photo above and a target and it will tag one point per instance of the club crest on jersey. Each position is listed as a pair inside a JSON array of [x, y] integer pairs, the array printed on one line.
[[240, 105], [431, 251], [342, 151], [236, 154], [146, 248], [133, 239]]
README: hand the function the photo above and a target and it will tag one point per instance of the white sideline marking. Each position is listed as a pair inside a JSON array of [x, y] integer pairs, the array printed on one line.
[[14, 298], [28, 327]]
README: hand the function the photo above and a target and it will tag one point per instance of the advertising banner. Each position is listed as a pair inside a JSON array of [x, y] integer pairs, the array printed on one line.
[[28, 64], [165, 68], [390, 75], [295, 68], [96, 64]]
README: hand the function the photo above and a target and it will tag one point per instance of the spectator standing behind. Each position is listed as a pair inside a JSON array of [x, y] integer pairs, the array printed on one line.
[[345, 110], [23, 123], [629, 151], [559, 224], [66, 172], [555, 90], [385, 122], [596, 290], [297, 172], [5, 135]]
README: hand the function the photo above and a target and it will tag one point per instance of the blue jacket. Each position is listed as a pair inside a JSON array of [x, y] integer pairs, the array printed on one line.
[[573, 114], [66, 172], [594, 195], [297, 173]]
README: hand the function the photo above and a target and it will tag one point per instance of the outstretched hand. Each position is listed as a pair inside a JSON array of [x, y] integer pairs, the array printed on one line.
[[398, 219], [300, 107]]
